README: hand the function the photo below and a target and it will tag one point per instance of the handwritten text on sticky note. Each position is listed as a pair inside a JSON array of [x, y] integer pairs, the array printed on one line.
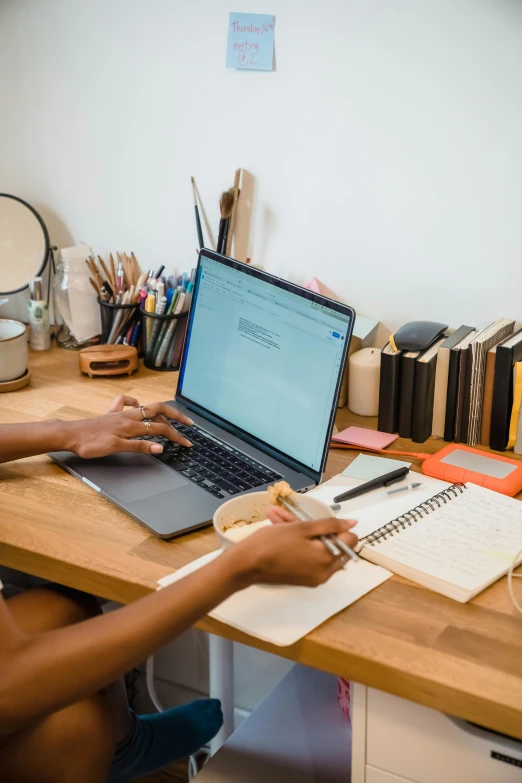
[[251, 42]]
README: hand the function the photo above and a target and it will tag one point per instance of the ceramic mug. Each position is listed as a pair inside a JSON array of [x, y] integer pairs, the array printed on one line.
[[13, 350]]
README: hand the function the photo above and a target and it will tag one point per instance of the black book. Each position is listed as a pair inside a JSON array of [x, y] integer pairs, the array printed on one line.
[[389, 390], [466, 396], [408, 366], [508, 353], [442, 379], [453, 384], [424, 393]]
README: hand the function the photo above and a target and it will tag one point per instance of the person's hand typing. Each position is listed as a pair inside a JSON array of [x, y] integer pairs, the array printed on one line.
[[116, 431]]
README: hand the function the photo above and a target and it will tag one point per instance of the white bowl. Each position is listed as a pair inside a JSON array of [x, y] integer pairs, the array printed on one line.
[[13, 350], [258, 503]]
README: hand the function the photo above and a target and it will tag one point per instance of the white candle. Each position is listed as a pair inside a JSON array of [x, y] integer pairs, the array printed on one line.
[[363, 382]]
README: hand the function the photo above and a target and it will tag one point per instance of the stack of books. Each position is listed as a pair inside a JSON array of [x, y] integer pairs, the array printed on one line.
[[464, 388]]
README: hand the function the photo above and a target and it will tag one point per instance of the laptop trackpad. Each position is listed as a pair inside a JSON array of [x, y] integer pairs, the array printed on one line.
[[130, 477]]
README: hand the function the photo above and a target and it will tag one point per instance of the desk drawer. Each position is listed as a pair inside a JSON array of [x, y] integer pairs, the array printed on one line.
[[424, 746], [378, 776]]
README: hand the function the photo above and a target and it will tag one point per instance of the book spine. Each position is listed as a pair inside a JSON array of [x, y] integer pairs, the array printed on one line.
[[488, 399], [451, 397], [423, 401], [459, 407], [406, 399], [389, 392], [466, 400], [502, 399], [441, 392]]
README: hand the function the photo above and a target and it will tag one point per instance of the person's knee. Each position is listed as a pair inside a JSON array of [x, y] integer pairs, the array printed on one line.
[[78, 606], [87, 726], [76, 743]]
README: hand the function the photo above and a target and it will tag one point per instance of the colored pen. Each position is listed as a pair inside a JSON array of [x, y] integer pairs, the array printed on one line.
[[376, 483], [150, 307], [405, 488]]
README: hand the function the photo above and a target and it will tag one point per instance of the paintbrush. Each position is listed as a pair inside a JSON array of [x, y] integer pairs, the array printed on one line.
[[225, 207], [232, 223], [196, 210], [106, 272]]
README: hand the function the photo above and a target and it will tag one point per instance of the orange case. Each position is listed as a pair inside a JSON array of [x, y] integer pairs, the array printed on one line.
[[511, 485]]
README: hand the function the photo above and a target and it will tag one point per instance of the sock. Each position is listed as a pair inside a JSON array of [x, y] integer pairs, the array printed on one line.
[[156, 741]]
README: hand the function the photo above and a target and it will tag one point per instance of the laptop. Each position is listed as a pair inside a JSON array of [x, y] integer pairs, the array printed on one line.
[[260, 375]]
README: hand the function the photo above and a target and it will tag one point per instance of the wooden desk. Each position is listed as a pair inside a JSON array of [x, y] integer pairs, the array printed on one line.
[[465, 660]]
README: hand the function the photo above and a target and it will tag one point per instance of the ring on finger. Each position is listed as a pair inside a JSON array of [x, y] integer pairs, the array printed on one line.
[[142, 409], [147, 427]]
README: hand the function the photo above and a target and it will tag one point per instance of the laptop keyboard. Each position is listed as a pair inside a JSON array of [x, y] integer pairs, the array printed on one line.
[[212, 464]]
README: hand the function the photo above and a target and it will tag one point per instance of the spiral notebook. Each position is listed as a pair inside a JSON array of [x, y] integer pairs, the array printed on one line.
[[456, 543]]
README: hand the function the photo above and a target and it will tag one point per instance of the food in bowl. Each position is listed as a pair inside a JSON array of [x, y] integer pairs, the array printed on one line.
[[280, 491]]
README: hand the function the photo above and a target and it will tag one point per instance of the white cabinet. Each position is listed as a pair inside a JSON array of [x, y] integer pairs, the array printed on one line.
[[395, 740], [378, 776]]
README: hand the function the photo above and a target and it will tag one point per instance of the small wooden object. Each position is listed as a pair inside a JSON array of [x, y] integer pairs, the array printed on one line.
[[108, 360], [18, 383]]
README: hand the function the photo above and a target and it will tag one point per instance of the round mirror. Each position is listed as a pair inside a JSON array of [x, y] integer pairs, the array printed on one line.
[[24, 244]]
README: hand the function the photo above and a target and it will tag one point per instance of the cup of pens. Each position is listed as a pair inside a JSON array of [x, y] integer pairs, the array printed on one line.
[[120, 323], [162, 339], [119, 295]]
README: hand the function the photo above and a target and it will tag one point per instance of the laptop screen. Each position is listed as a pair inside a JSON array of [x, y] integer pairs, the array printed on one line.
[[264, 359]]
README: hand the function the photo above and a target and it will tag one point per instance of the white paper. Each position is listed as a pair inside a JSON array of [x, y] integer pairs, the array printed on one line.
[[283, 615], [387, 509], [367, 467], [469, 542]]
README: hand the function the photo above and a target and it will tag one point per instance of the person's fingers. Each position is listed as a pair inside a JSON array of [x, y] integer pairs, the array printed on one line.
[[326, 527], [154, 409], [350, 539], [278, 515], [168, 431], [156, 428], [123, 401], [137, 446]]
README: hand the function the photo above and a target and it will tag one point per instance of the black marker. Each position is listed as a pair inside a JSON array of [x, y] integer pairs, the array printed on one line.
[[376, 483]]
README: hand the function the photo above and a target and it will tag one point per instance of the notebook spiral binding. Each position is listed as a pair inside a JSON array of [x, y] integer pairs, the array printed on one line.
[[406, 519]]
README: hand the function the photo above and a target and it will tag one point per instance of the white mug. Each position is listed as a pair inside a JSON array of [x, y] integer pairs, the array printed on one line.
[[13, 350]]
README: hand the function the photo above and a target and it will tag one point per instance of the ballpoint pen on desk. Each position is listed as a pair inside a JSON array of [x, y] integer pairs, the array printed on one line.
[[405, 488], [376, 483]]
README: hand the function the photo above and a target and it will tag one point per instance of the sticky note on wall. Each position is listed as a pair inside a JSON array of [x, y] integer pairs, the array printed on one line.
[[250, 43]]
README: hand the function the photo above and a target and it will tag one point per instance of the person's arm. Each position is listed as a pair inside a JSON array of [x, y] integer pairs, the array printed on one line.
[[96, 437], [43, 673]]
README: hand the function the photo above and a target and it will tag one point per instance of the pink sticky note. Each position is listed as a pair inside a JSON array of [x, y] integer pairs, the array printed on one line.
[[369, 439]]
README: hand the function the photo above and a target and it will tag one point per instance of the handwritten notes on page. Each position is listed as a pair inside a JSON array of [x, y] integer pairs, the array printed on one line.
[[251, 42], [469, 542]]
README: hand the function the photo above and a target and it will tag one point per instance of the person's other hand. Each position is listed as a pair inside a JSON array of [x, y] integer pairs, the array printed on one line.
[[292, 553], [116, 430]]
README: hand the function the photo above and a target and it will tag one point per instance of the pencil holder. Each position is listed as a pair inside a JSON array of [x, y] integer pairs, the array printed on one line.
[[119, 321], [162, 340]]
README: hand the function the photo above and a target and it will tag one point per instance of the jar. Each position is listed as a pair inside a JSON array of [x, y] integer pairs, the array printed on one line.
[[75, 298]]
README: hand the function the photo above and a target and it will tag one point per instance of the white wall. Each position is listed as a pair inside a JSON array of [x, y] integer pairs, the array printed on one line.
[[385, 152], [386, 149]]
